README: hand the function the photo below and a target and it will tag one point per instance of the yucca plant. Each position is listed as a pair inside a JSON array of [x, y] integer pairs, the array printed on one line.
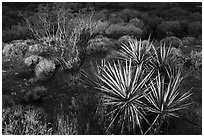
[[165, 100], [164, 60], [136, 50], [123, 88]]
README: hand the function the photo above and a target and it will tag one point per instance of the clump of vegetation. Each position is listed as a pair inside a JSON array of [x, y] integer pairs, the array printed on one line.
[[101, 27], [16, 49], [117, 30], [99, 44], [32, 60], [137, 23], [37, 49], [18, 120], [128, 14], [44, 69], [173, 41], [196, 59]]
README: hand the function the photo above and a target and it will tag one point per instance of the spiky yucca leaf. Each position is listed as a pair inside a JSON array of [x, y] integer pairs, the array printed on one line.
[[123, 88], [165, 99], [165, 61], [137, 51]]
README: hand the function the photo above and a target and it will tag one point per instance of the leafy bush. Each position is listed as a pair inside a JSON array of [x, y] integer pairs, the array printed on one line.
[[173, 41], [196, 59], [128, 14], [37, 49], [32, 60], [65, 34], [16, 49], [114, 19], [44, 69], [137, 23], [99, 44], [169, 28], [101, 27], [102, 15], [116, 30], [195, 28]]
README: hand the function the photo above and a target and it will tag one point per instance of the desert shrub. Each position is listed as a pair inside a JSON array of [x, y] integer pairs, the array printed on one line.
[[16, 49], [188, 41], [99, 44], [102, 15], [137, 23], [128, 14], [115, 19], [32, 60], [101, 27], [44, 69], [195, 28], [116, 30], [37, 49], [65, 34], [18, 120], [173, 41], [169, 28], [196, 59]]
